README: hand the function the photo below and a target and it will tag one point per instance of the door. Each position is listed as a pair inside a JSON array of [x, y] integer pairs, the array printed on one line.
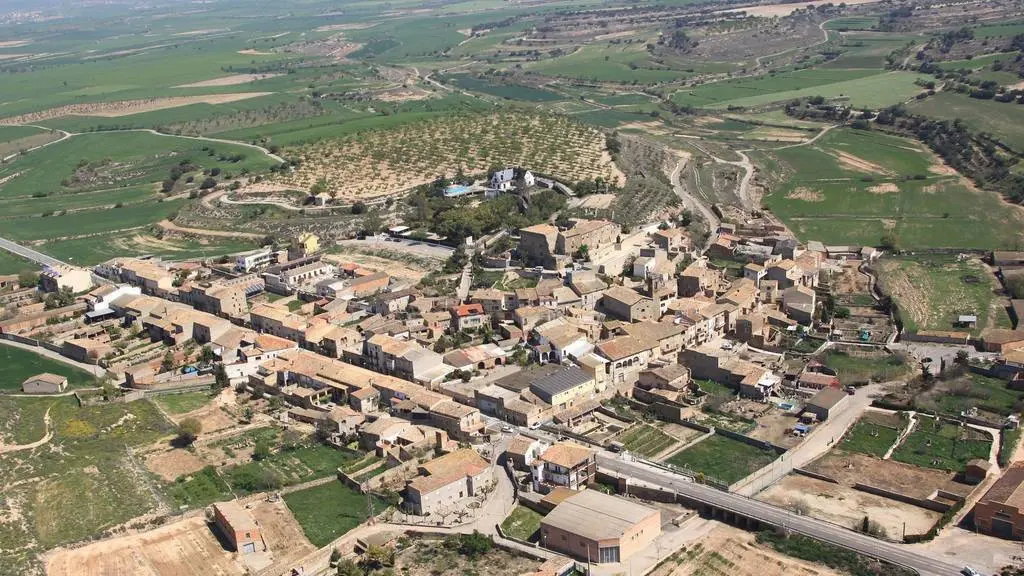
[[1002, 528]]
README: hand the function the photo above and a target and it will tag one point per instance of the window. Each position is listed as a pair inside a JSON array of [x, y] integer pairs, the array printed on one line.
[[608, 555]]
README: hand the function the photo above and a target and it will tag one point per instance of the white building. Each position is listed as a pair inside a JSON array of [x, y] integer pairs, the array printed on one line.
[[502, 179], [255, 259]]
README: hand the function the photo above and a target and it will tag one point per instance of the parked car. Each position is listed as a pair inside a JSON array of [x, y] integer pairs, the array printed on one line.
[[968, 571]]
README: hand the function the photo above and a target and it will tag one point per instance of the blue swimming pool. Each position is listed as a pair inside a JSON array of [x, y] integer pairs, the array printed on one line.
[[456, 190]]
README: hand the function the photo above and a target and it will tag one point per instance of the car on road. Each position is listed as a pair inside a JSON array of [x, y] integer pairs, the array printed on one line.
[[507, 429], [851, 390], [968, 571]]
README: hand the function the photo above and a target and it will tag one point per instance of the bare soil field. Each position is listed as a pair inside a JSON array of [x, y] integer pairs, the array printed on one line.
[[597, 201], [776, 135], [775, 427], [728, 551], [805, 194], [232, 80], [399, 269], [184, 548], [14, 43], [282, 534], [849, 468], [851, 281], [846, 506], [127, 107], [174, 462], [383, 162]]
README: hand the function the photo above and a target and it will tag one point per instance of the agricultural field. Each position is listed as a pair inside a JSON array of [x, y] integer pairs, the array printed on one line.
[[857, 187], [987, 398], [19, 364], [646, 440], [384, 162], [723, 459], [328, 511], [859, 88], [506, 91], [934, 444], [1003, 121], [932, 291]]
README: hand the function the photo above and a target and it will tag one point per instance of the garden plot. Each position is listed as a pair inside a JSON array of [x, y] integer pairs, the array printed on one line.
[[935, 444], [646, 440], [383, 162], [874, 434]]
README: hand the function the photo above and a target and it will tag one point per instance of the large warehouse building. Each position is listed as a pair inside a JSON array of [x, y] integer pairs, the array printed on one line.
[[599, 528]]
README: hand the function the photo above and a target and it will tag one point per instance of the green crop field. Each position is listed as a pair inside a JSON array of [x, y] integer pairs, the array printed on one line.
[[287, 467], [858, 186], [95, 249], [1002, 29], [646, 440], [19, 364], [329, 511], [852, 23], [867, 88], [507, 91], [621, 63], [941, 446], [723, 459]]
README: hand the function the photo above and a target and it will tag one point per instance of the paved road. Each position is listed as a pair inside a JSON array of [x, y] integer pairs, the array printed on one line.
[[820, 530], [28, 253]]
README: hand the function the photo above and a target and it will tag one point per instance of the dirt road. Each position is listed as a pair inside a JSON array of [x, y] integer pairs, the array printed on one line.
[[172, 227], [690, 200]]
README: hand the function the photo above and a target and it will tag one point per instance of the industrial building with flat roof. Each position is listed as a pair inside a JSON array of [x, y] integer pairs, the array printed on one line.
[[599, 528]]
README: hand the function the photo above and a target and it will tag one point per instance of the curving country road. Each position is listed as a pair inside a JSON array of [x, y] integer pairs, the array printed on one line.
[[28, 253], [692, 202]]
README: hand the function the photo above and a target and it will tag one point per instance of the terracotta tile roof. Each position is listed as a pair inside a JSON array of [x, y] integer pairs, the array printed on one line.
[[567, 455]]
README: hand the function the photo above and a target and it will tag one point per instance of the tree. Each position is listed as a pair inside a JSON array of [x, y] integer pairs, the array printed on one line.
[[443, 344], [319, 188], [349, 568], [167, 364], [261, 451], [207, 183], [359, 207], [206, 355], [220, 378], [475, 545], [188, 431], [890, 242], [377, 558], [60, 299], [1015, 285], [27, 278], [961, 357]]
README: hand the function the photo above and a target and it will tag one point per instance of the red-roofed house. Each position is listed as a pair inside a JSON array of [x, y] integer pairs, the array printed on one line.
[[468, 316]]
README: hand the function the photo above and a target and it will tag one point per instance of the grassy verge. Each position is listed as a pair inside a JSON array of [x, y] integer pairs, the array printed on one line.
[[522, 523]]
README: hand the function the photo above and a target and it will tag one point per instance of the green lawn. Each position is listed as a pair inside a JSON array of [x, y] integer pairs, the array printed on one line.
[[19, 364], [869, 438], [723, 459], [182, 403], [941, 446], [522, 523], [856, 186], [329, 511], [646, 440]]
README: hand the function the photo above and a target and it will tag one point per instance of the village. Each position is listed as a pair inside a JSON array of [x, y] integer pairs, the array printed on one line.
[[747, 362]]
